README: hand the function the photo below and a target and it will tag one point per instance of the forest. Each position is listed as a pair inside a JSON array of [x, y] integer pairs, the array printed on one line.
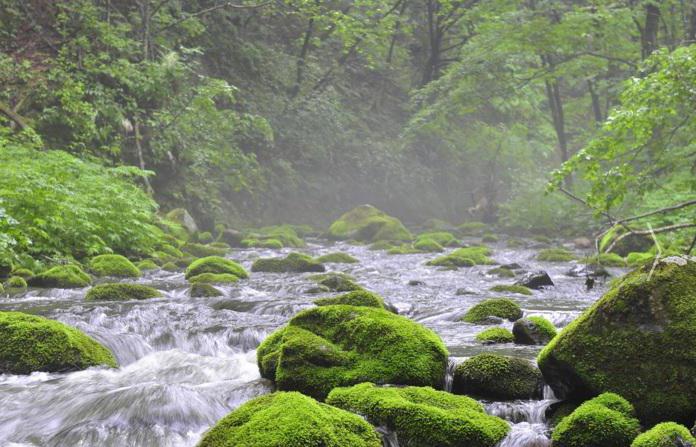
[[336, 223]]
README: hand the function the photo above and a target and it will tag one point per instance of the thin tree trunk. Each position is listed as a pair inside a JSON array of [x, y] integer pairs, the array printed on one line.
[[302, 59], [652, 26], [141, 158], [596, 106]]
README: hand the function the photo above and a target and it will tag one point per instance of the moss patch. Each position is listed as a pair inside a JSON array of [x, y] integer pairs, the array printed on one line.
[[113, 265], [496, 376], [16, 282], [294, 262], [329, 346], [501, 272], [429, 245], [214, 278], [62, 277], [502, 308], [443, 238], [511, 288], [31, 343], [200, 250], [216, 265], [337, 258], [290, 420], [337, 282], [355, 298], [533, 331], [422, 416], [369, 224], [464, 257], [147, 264], [121, 292], [495, 335], [667, 434]]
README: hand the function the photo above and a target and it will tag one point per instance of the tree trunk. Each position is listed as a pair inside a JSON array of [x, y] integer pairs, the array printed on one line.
[[302, 59], [596, 106], [652, 26]]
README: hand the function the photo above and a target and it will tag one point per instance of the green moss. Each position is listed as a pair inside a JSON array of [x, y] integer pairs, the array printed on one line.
[[337, 282], [355, 298], [489, 238], [214, 278], [16, 282], [555, 255], [634, 341], [443, 238], [113, 265], [496, 376], [422, 416], [501, 272], [329, 346], [560, 412], [200, 250], [294, 262], [600, 422], [147, 264], [495, 335], [171, 251], [667, 434], [545, 326], [404, 249], [637, 259], [170, 267], [472, 228], [31, 343], [428, 245], [22, 273], [367, 223], [204, 237], [290, 420], [286, 234], [337, 258], [121, 292], [2, 288], [62, 277], [511, 288], [533, 331], [500, 307], [434, 224], [464, 257], [382, 245], [605, 259], [203, 290], [262, 243], [215, 264]]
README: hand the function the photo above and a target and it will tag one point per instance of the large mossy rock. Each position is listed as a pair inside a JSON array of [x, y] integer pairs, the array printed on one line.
[[290, 420], [422, 416], [61, 277], [667, 434], [113, 265], [607, 420], [292, 263], [215, 265], [637, 341], [121, 292], [494, 376], [31, 343], [340, 345], [368, 224]]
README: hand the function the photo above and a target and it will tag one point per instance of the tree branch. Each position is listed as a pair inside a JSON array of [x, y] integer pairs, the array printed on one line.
[[14, 116], [665, 229]]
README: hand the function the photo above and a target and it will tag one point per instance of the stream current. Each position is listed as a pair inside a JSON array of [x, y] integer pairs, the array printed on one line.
[[186, 362]]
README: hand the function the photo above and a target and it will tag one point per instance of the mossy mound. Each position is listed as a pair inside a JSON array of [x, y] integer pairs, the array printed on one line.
[[337, 282], [501, 272], [292, 263], [422, 416], [203, 290], [214, 278], [204, 237], [443, 238], [61, 277], [289, 419], [533, 331], [495, 335], [273, 244], [31, 343], [147, 264], [337, 258], [606, 259], [285, 234], [121, 292], [201, 250], [635, 341], [502, 308], [494, 376], [15, 282], [404, 249], [511, 288], [369, 224], [170, 267], [329, 346], [171, 251], [606, 421], [667, 434], [464, 257], [555, 255], [113, 265], [355, 298], [428, 245], [22, 273], [215, 265]]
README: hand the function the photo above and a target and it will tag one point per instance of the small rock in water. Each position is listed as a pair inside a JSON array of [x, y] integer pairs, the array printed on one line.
[[317, 289], [590, 270], [416, 282], [512, 266], [464, 291], [535, 280]]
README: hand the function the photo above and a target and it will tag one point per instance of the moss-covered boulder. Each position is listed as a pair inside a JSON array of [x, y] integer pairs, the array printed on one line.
[[666, 434], [404, 249], [355, 298], [287, 235], [464, 257], [147, 264], [273, 244], [635, 341], [605, 421], [289, 419], [15, 283], [495, 335], [203, 290], [422, 416], [113, 265], [502, 308], [472, 228], [202, 250], [444, 238], [292, 263], [61, 277], [428, 245], [511, 288], [337, 282], [337, 258], [369, 224], [170, 267], [31, 343], [555, 255], [533, 280], [494, 376], [329, 346], [533, 331], [215, 265], [501, 272], [121, 292]]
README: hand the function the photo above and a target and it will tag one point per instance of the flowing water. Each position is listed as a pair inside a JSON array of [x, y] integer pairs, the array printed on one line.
[[186, 362]]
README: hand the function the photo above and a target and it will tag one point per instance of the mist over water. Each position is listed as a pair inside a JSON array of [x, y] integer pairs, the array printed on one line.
[[187, 362]]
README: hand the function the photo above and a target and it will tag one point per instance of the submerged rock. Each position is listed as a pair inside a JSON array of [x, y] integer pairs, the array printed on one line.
[[494, 376], [422, 416], [292, 263], [31, 343], [340, 345], [535, 280], [368, 224], [203, 290], [637, 341], [290, 420], [533, 331]]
